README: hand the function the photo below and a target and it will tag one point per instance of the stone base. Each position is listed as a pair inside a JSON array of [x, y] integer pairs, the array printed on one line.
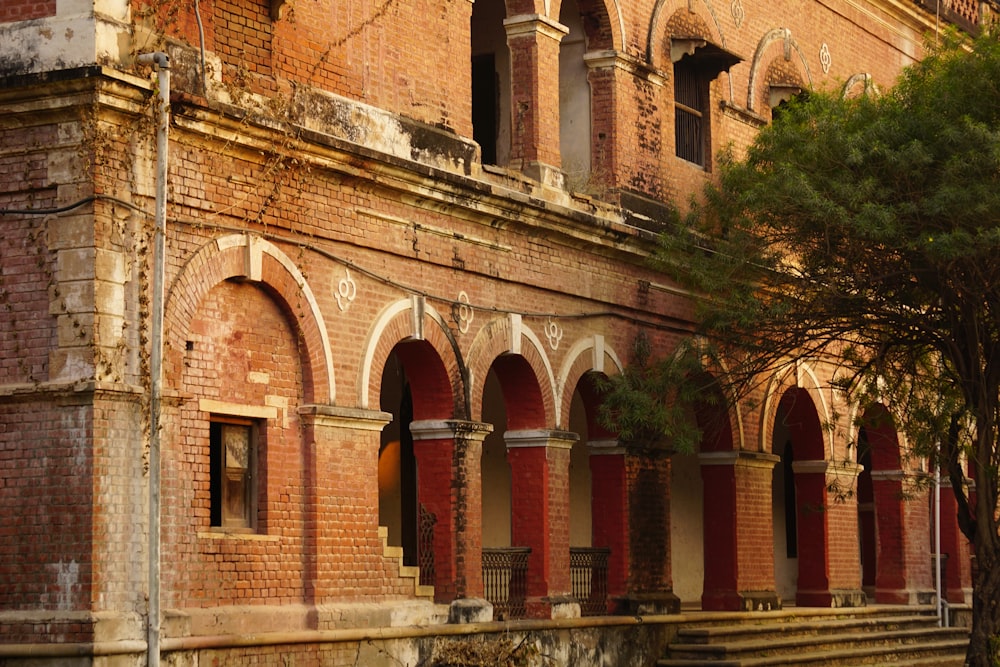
[[648, 604], [470, 610], [553, 607], [833, 598]]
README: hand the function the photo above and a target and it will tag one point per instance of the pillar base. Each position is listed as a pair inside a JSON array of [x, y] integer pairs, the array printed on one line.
[[832, 598], [648, 604], [741, 601], [904, 596], [470, 610], [553, 607]]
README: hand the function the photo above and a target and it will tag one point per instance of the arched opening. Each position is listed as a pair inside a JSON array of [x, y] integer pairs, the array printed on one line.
[[867, 535], [800, 507], [414, 386], [491, 82], [495, 468], [397, 467]]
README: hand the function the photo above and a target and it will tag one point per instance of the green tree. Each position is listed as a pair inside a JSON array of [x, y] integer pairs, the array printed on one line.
[[867, 231]]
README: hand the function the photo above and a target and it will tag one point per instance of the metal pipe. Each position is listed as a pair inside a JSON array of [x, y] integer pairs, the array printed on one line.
[[937, 537], [161, 62]]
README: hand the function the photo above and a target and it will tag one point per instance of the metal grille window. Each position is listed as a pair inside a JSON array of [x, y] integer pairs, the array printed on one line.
[[690, 115]]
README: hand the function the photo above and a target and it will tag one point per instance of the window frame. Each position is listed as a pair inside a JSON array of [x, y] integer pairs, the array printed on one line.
[[219, 499]]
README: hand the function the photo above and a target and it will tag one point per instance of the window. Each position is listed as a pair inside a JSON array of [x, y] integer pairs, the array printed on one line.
[[691, 112], [697, 62], [233, 445]]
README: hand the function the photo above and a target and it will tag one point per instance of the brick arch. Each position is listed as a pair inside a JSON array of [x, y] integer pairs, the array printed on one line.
[[246, 257], [586, 356], [664, 14], [803, 380], [508, 337], [603, 24], [883, 438], [428, 352], [714, 417], [860, 84], [763, 63]]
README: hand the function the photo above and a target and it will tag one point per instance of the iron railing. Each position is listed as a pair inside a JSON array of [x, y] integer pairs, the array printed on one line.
[[588, 572], [505, 581], [425, 546]]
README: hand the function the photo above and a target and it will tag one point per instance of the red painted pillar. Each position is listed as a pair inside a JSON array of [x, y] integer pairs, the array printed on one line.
[[890, 573], [739, 532], [814, 556], [539, 466], [957, 570], [534, 53], [829, 558], [449, 489], [609, 510], [903, 570]]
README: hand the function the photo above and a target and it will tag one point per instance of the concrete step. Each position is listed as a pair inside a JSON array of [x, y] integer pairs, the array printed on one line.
[[751, 648], [847, 638], [924, 654], [811, 627]]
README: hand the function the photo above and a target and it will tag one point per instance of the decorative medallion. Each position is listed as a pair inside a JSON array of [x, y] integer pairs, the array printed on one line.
[[825, 58], [738, 13], [554, 333], [462, 312], [347, 290]]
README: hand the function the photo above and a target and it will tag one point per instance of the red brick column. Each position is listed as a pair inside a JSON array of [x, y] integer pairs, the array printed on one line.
[[958, 569], [829, 558], [903, 562], [738, 531], [609, 510], [449, 455], [534, 57], [650, 582], [341, 447], [539, 466]]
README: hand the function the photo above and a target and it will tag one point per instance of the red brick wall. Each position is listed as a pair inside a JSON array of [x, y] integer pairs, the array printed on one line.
[[23, 10]]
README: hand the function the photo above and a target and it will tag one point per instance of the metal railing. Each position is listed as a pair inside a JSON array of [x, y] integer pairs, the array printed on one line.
[[505, 581], [588, 572], [425, 546]]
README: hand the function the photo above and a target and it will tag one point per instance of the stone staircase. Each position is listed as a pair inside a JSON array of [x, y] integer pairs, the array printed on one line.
[[878, 635]]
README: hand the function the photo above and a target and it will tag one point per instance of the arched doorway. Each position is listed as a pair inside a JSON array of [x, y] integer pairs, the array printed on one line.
[[798, 438]]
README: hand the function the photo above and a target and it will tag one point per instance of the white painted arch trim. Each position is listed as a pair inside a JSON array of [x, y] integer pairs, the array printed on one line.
[[420, 311]]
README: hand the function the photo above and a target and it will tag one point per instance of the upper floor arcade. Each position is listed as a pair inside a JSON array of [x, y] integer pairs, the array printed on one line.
[[590, 99]]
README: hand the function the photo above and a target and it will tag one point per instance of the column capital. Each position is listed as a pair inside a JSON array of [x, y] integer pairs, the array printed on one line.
[[606, 447], [446, 429], [616, 60], [540, 438], [739, 457], [530, 24], [829, 468], [352, 418]]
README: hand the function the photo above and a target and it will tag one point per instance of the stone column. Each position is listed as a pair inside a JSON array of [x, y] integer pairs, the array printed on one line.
[[738, 531], [534, 56], [539, 464], [449, 455]]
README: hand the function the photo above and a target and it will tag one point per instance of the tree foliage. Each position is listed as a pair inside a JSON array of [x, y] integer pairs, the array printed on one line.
[[867, 231]]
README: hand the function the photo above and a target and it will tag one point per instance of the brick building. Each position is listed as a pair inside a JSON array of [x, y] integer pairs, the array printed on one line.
[[401, 240]]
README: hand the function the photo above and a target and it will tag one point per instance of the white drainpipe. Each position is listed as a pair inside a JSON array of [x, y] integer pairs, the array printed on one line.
[[161, 63]]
